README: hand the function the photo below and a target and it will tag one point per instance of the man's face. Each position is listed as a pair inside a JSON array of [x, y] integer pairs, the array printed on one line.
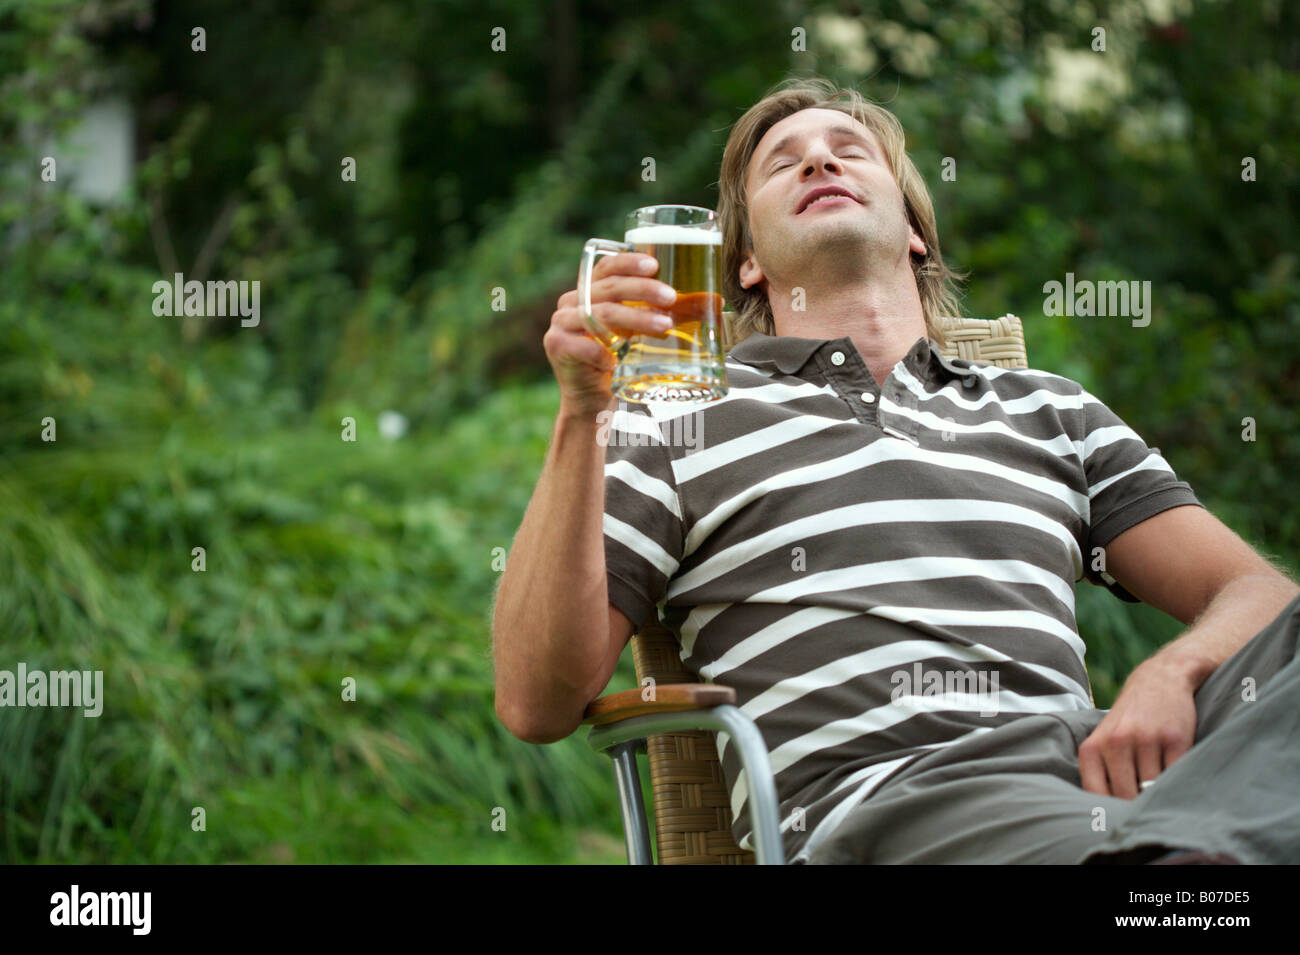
[[807, 152]]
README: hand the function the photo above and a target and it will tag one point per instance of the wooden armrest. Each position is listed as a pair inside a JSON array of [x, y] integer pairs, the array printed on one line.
[[667, 698]]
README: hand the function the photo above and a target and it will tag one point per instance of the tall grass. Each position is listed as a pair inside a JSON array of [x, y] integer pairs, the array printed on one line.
[[325, 560]]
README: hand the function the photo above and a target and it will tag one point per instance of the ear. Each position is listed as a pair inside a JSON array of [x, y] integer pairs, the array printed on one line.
[[751, 273], [916, 243]]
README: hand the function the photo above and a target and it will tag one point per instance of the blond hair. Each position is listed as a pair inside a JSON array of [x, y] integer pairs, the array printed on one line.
[[935, 282]]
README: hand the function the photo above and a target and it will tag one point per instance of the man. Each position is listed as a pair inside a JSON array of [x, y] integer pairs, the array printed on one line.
[[877, 548]]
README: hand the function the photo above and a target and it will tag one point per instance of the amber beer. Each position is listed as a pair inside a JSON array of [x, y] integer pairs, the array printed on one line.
[[688, 261], [686, 362]]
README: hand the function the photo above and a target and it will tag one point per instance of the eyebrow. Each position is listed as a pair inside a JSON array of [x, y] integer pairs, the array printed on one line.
[[786, 141]]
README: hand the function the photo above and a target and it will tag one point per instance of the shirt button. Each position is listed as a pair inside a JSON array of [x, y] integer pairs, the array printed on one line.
[[868, 397], [837, 358]]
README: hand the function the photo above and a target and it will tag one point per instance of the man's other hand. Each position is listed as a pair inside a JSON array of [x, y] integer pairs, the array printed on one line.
[[1152, 724]]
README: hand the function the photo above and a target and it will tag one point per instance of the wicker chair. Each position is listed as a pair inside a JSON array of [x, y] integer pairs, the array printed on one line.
[[677, 726]]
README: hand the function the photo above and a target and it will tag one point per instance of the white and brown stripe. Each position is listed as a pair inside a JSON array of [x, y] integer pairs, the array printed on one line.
[[826, 533]]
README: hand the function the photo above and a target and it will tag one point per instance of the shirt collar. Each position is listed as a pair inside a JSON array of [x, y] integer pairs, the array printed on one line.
[[789, 354]]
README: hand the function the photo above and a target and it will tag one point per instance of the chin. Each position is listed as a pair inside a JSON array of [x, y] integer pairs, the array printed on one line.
[[841, 232]]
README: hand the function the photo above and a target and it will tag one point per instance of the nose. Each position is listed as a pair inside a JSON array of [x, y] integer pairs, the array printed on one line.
[[817, 157]]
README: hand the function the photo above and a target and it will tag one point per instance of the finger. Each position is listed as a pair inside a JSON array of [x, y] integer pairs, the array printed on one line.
[[584, 350], [1149, 764], [624, 288], [1173, 750], [650, 291], [616, 317], [571, 353], [628, 264], [624, 263], [1092, 771], [1121, 768]]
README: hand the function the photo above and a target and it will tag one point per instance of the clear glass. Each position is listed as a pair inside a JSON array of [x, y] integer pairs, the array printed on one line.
[[685, 363]]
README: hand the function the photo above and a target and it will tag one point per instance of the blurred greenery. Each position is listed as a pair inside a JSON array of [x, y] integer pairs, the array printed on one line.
[[476, 169]]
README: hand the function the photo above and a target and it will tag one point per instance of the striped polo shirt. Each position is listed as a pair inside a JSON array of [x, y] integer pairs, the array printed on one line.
[[878, 570]]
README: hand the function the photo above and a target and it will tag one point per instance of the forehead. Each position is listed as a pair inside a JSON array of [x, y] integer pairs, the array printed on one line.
[[808, 122]]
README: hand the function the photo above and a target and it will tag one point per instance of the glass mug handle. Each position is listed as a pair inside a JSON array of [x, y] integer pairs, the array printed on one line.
[[590, 250]]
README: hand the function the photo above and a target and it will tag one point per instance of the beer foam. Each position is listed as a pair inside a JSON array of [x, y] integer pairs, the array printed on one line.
[[672, 235]]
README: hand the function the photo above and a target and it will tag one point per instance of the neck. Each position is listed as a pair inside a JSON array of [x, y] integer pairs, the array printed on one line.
[[883, 320]]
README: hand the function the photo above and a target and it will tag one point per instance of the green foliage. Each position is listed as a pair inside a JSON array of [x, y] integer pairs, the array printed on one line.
[[228, 681]]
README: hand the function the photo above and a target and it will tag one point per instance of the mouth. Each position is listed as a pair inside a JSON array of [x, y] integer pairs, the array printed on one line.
[[825, 196], [828, 201]]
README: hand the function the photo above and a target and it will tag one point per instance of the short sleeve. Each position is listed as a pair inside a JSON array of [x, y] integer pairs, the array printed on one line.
[[644, 531], [1128, 482]]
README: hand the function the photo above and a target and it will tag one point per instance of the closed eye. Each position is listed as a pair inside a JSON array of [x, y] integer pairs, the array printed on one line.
[[782, 165]]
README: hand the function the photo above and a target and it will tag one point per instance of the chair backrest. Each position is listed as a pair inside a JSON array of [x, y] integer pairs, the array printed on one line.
[[692, 812]]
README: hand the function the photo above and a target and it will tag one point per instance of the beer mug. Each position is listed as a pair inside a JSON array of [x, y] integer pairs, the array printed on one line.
[[686, 362]]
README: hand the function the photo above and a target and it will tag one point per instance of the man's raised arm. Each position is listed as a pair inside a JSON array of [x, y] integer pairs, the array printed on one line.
[[556, 639]]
